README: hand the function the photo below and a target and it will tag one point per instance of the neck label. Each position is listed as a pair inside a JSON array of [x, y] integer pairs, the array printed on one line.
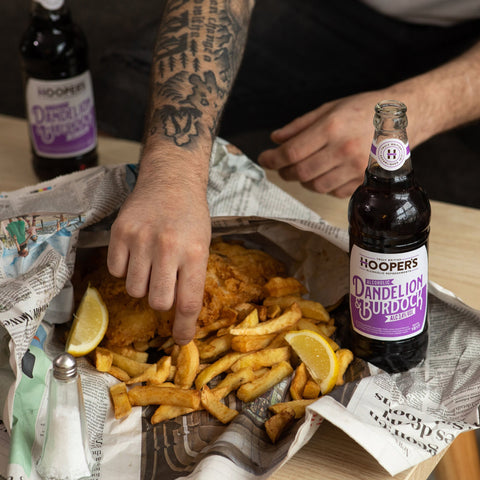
[[391, 153]]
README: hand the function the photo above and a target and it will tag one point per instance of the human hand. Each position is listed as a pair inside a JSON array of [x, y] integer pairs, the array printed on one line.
[[160, 243], [327, 149]]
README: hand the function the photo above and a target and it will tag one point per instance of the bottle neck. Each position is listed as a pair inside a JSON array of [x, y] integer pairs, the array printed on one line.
[[390, 151], [50, 10]]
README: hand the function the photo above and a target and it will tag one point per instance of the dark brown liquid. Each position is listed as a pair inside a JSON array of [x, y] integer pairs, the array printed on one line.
[[389, 215], [54, 48]]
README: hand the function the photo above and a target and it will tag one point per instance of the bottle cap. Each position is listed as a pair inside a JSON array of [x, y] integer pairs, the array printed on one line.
[[64, 366]]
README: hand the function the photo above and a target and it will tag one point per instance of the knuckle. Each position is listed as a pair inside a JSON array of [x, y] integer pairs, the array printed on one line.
[[304, 172], [290, 152], [160, 303], [190, 307], [134, 289]]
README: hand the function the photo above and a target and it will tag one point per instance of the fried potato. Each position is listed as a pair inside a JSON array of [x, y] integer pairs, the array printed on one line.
[[273, 311], [224, 322], [118, 373], [211, 349], [279, 340], [129, 352], [188, 361], [310, 309], [155, 395], [345, 357], [216, 368], [305, 324], [250, 343], [132, 367], [167, 412], [144, 376], [156, 374], [278, 423], [311, 389], [262, 358], [232, 381], [281, 286], [287, 320], [249, 321], [250, 391], [249, 305], [298, 382], [298, 406], [214, 406], [103, 359], [121, 403]]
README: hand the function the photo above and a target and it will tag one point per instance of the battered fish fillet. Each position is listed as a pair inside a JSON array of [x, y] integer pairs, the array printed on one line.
[[235, 275]]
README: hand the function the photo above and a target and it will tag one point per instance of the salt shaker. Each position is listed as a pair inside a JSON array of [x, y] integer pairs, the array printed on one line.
[[65, 454]]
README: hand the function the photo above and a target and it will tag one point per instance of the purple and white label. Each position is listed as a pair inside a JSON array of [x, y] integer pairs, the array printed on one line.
[[391, 153], [388, 293], [61, 116]]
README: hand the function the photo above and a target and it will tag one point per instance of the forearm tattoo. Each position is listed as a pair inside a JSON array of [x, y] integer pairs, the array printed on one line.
[[197, 55]]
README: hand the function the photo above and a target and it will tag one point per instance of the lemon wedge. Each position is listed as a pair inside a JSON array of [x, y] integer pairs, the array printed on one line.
[[318, 356], [89, 325]]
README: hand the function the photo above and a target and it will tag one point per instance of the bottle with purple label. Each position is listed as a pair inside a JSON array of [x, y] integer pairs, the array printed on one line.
[[389, 218], [59, 98]]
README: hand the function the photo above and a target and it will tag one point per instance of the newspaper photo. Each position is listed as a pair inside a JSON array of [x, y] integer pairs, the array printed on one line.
[[46, 231]]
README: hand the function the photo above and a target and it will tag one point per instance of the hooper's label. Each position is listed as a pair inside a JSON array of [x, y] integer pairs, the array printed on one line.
[[61, 116], [51, 4], [388, 293], [391, 153]]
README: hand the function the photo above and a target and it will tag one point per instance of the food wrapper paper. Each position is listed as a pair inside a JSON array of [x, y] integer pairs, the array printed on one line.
[[400, 419]]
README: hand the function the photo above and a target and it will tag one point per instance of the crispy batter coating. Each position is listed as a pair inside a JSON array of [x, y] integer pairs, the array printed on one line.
[[235, 275]]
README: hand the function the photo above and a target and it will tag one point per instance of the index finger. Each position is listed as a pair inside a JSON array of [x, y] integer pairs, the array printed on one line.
[[297, 148]]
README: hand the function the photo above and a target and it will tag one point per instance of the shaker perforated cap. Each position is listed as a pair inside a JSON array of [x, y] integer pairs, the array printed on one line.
[[64, 366]]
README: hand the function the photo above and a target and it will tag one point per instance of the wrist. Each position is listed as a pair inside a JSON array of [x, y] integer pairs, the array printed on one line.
[[165, 167]]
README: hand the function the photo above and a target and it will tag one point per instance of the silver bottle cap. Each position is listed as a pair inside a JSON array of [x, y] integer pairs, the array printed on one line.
[[64, 366]]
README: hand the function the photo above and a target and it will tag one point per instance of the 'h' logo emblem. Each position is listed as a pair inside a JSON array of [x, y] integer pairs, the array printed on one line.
[[392, 153]]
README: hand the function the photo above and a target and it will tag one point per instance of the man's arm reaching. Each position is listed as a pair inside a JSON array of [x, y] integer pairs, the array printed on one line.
[[160, 239]]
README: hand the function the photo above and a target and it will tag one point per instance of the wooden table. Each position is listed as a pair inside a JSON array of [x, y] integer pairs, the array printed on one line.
[[454, 264]]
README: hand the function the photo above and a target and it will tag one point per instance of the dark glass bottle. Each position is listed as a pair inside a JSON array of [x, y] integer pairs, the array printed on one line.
[[58, 91], [389, 217]]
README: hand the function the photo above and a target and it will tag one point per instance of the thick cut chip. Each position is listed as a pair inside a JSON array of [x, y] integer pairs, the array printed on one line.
[[167, 412], [262, 358], [311, 389], [345, 357], [188, 362], [310, 309], [250, 391], [250, 343], [298, 382], [214, 406], [318, 356], [298, 406], [279, 423], [89, 325], [220, 366], [154, 395], [121, 404], [285, 321]]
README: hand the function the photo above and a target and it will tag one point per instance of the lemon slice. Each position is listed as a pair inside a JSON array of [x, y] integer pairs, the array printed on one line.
[[89, 324], [317, 355]]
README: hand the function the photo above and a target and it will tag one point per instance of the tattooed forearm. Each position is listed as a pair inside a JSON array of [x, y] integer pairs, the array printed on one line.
[[199, 48]]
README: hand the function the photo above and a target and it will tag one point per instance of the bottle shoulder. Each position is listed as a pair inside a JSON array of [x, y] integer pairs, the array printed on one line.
[[51, 52], [383, 217]]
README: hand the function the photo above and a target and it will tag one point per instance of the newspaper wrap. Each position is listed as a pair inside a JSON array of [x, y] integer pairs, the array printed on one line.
[[400, 419]]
